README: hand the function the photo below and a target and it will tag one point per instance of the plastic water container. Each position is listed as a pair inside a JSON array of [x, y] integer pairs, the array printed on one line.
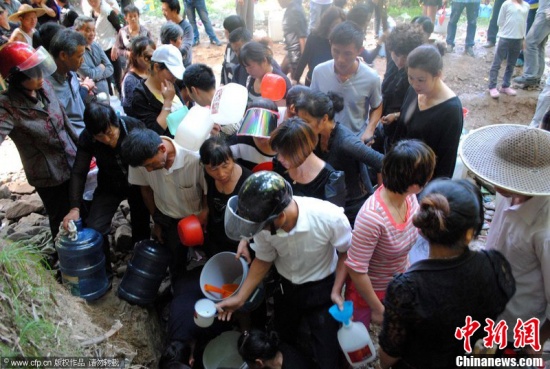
[[82, 263], [275, 25], [353, 337], [145, 273], [442, 21], [91, 182]]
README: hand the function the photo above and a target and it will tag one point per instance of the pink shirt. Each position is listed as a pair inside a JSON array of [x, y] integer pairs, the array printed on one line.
[[380, 246]]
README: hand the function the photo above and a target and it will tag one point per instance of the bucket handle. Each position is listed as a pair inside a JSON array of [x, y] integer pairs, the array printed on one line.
[[72, 233]]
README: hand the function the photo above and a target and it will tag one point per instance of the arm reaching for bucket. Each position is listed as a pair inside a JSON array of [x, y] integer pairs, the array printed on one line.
[[256, 274]]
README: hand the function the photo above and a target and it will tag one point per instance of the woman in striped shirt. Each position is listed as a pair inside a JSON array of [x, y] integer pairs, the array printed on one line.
[[384, 232]]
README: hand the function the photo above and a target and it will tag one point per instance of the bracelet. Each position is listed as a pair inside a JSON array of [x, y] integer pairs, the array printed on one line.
[[166, 109]]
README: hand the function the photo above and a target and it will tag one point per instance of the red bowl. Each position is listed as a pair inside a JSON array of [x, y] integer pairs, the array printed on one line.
[[267, 165], [190, 231]]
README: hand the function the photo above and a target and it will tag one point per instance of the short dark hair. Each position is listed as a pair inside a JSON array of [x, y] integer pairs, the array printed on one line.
[[240, 34], [200, 76], [137, 47], [260, 102], [330, 15], [317, 104], [295, 93], [448, 209], [256, 52], [257, 344], [408, 163], [424, 22], [294, 139], [131, 9], [360, 14], [170, 31], [233, 22], [47, 32], [347, 33], [140, 145], [98, 117], [426, 58], [215, 151], [173, 5], [66, 40], [404, 38]]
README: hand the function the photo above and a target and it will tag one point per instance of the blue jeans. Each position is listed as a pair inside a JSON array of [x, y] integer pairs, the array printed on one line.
[[507, 49], [535, 43], [200, 7], [543, 104], [472, 11]]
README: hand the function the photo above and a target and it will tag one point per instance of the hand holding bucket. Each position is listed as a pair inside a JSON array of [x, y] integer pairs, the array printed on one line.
[[190, 231]]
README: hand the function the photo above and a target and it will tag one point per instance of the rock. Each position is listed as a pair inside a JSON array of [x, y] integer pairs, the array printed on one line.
[[5, 192], [21, 187], [5, 204], [123, 238], [34, 219], [22, 208], [119, 220], [121, 270], [35, 200], [26, 231]]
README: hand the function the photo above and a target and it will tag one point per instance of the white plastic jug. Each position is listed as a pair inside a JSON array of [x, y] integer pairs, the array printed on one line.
[[354, 338]]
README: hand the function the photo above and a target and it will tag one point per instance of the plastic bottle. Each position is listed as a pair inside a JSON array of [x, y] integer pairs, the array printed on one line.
[[353, 337]]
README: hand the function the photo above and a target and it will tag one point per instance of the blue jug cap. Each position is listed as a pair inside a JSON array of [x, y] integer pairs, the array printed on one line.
[[343, 316]]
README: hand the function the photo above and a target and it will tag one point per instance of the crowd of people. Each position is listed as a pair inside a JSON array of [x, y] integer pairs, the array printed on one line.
[[358, 170]]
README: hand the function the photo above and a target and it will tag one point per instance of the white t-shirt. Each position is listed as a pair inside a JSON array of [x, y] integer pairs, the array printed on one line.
[[308, 252], [177, 191]]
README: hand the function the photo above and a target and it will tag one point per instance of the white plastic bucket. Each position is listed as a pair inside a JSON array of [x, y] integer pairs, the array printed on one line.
[[223, 268], [442, 21]]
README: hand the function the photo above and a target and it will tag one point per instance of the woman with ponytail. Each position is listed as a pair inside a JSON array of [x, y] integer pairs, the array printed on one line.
[[426, 305]]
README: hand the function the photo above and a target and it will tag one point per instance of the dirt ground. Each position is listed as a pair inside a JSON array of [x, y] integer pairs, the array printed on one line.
[[465, 75]]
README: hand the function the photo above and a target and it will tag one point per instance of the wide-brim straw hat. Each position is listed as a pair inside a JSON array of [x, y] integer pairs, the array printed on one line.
[[24, 9], [510, 156]]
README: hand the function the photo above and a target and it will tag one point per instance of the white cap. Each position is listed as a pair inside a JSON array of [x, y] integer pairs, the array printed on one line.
[[171, 57]]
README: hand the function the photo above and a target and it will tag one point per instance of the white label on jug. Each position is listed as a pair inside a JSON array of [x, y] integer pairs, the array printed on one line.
[[360, 355]]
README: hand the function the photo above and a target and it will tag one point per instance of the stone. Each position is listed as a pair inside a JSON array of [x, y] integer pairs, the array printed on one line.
[[119, 220], [21, 187], [34, 219], [26, 231], [22, 208], [35, 200], [5, 192], [5, 204], [123, 238], [121, 270]]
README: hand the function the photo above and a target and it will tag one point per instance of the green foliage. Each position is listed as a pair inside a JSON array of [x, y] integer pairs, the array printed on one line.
[[28, 311]]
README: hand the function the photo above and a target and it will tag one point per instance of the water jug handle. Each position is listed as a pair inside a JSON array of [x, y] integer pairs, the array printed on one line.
[[72, 233]]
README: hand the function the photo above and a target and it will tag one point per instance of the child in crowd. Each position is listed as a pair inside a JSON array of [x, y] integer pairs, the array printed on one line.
[[295, 33], [512, 22], [230, 58], [96, 65]]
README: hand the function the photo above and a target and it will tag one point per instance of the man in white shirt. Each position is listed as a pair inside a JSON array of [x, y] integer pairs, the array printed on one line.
[[516, 160], [172, 185], [307, 240]]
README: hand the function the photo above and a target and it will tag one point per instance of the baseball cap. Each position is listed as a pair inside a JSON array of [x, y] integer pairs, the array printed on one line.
[[171, 57]]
